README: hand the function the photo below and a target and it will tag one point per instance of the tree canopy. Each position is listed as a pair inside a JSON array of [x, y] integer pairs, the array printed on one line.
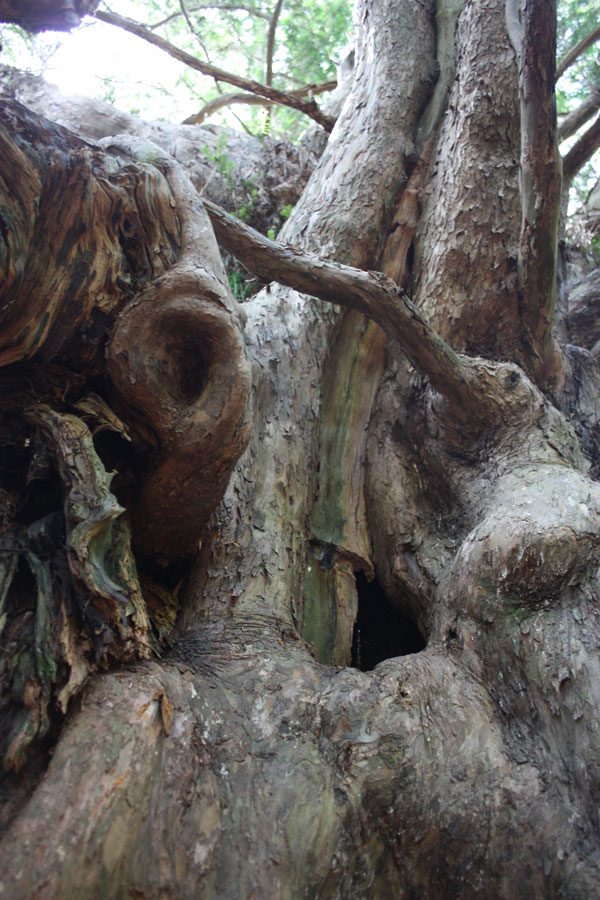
[[293, 46]]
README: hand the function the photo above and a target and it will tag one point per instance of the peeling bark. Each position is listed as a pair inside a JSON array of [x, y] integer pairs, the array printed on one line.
[[251, 759]]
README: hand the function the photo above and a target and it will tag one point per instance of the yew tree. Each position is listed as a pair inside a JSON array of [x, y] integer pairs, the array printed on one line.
[[299, 591]]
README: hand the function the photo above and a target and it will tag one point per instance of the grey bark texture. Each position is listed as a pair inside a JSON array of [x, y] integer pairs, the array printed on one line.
[[251, 758]]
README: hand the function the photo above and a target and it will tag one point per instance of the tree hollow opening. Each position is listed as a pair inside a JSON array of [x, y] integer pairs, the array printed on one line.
[[381, 630]]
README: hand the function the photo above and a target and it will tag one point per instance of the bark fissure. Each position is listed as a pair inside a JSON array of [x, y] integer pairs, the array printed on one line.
[[245, 763]]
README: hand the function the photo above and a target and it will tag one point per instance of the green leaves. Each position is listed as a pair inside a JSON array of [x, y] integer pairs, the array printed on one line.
[[309, 38], [576, 19]]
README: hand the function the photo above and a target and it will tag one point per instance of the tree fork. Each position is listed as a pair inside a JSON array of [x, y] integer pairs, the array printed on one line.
[[465, 384]]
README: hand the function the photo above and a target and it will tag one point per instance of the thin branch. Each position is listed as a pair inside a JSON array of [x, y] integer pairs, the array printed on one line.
[[371, 293], [269, 57], [576, 51], [227, 7], [225, 100], [540, 185], [271, 42], [308, 107], [192, 30], [574, 120], [582, 151]]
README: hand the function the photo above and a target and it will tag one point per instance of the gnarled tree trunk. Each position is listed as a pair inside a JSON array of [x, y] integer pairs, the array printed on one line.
[[186, 713]]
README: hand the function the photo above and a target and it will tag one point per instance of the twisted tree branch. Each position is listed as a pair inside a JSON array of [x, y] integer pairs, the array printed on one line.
[[370, 293]]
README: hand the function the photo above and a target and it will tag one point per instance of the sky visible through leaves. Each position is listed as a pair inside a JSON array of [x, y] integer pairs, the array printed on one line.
[[101, 61]]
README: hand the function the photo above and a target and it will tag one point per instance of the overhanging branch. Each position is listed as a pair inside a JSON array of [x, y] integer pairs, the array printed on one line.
[[308, 107], [574, 120], [271, 41], [226, 7], [371, 293]]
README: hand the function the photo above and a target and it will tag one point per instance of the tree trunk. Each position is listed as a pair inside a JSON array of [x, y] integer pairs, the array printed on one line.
[[306, 480]]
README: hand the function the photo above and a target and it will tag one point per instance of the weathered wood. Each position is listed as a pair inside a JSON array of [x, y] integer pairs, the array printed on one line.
[[177, 355], [239, 765], [78, 239]]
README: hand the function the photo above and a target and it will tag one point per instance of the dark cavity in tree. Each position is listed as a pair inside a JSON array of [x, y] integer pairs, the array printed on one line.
[[381, 630], [190, 366]]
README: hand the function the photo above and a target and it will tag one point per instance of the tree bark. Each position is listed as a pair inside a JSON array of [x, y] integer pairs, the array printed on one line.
[[291, 449]]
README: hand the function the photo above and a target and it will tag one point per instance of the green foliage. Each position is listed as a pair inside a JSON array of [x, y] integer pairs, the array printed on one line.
[[241, 284], [283, 214], [576, 19], [219, 157], [17, 45], [309, 38], [313, 34], [246, 210], [14, 42]]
